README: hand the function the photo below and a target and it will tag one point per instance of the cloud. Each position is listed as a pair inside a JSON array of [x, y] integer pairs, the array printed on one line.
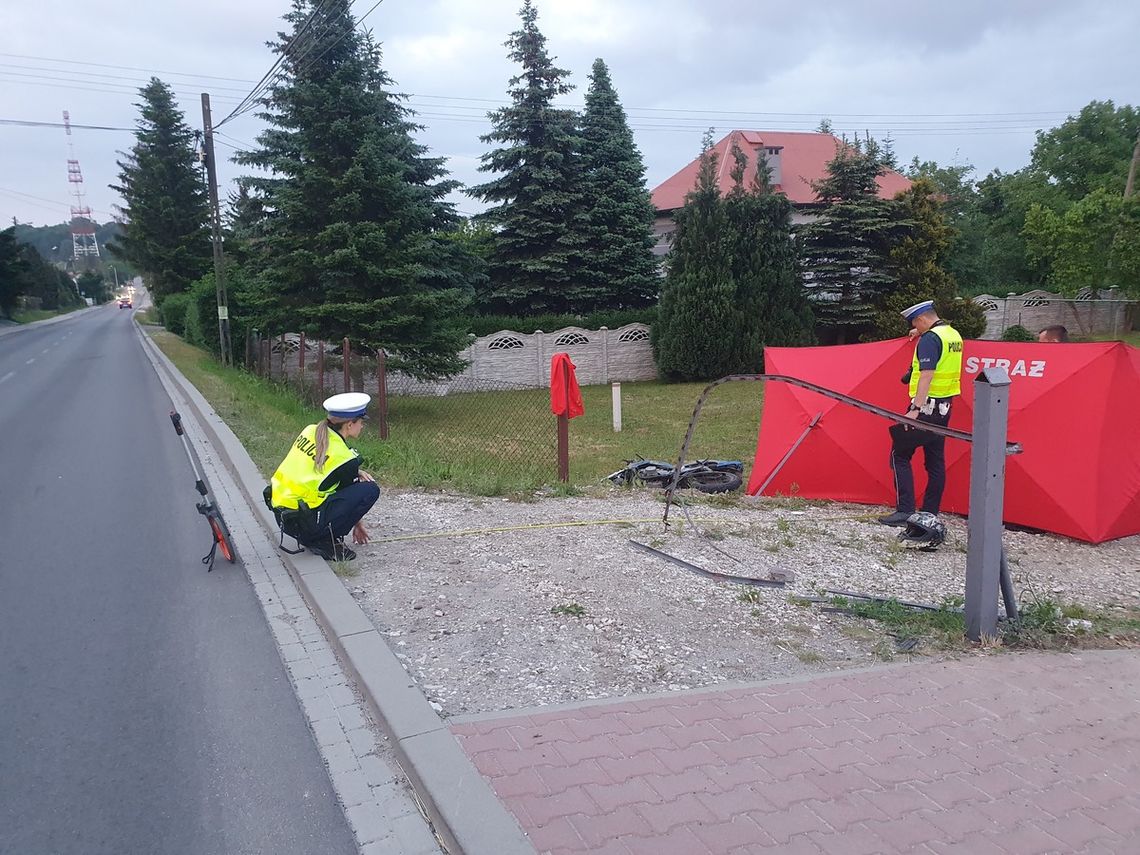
[[679, 66]]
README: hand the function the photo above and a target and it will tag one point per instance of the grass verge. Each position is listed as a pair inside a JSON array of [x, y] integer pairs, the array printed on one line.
[[485, 443], [1043, 624], [27, 316]]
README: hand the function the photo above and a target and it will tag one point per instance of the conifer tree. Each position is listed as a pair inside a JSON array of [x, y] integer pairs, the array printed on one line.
[[918, 259], [354, 239], [772, 309], [165, 207], [697, 309], [844, 253], [619, 269], [536, 192]]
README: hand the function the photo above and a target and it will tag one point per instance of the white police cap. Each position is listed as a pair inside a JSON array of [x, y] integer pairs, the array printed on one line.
[[918, 309], [347, 405]]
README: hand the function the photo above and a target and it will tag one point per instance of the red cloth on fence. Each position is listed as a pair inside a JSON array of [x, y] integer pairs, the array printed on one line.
[[565, 396], [1074, 408]]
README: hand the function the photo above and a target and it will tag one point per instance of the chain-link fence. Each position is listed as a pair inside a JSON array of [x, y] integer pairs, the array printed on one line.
[[486, 437]]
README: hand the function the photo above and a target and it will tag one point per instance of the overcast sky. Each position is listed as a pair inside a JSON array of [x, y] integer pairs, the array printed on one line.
[[963, 82]]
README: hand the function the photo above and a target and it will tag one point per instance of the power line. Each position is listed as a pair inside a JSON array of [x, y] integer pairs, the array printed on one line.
[[124, 67], [27, 123], [270, 76], [58, 83], [89, 74]]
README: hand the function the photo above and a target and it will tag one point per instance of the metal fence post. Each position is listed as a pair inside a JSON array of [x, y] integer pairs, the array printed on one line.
[[382, 392], [987, 499]]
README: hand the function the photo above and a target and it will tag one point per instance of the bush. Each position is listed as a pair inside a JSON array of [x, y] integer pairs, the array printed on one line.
[[173, 308], [1017, 333], [486, 324], [193, 332]]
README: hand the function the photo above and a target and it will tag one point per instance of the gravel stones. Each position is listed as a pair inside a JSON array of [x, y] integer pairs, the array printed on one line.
[[548, 614]]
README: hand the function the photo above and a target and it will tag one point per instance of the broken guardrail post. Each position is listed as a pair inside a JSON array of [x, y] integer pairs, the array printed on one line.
[[987, 500]]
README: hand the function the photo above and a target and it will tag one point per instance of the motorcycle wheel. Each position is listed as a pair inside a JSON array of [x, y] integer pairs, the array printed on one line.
[[713, 482]]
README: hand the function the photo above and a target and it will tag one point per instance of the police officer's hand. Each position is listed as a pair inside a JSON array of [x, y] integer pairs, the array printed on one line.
[[359, 534], [364, 476], [912, 333]]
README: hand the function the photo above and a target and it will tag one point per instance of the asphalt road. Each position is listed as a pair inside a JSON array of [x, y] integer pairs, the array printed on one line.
[[143, 705]]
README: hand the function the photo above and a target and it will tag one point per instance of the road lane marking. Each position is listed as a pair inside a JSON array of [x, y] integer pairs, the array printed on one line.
[[8, 375], [30, 361]]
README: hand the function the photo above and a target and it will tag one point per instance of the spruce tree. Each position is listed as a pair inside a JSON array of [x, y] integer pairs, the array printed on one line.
[[918, 259], [698, 300], [772, 308], [536, 194], [354, 243], [619, 270], [165, 207], [845, 252]]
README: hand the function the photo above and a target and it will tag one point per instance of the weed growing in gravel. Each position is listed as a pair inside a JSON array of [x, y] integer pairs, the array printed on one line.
[[749, 595], [345, 569], [571, 609], [802, 602], [1044, 623], [944, 626]]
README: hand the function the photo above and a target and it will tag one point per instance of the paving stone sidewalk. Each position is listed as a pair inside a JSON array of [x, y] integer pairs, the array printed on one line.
[[1005, 753]]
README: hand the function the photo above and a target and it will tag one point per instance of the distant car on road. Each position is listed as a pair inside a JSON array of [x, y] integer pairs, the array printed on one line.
[[125, 303]]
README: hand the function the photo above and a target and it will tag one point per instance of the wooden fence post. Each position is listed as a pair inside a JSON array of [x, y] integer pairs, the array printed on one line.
[[248, 340], [564, 429], [320, 372], [301, 366], [382, 392], [346, 356]]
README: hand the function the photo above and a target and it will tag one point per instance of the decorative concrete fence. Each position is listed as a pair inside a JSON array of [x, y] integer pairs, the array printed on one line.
[[1091, 313], [521, 359]]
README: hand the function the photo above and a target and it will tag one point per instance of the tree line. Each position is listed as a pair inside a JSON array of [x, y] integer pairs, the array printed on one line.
[[342, 227], [27, 278]]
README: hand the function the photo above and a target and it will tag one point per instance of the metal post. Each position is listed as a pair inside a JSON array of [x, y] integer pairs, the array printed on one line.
[[382, 392], [284, 370], [615, 388], [987, 499]]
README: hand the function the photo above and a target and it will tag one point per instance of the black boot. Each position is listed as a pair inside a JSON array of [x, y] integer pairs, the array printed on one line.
[[897, 519]]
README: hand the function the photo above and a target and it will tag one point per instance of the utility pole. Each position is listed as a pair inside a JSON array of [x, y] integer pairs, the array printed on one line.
[[216, 222], [1132, 169]]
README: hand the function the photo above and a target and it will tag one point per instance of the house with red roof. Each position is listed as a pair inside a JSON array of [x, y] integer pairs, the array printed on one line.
[[795, 160]]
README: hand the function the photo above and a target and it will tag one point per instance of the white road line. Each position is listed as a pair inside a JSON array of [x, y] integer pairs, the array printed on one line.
[[7, 376], [30, 361], [42, 352]]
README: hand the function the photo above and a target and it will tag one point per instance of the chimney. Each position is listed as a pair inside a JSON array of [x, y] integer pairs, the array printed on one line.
[[772, 152]]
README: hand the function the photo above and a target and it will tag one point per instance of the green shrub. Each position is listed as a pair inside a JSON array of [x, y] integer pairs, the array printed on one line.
[[192, 325], [173, 308], [1018, 333]]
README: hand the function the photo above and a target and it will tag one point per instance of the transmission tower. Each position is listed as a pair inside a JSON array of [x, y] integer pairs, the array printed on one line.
[[83, 242]]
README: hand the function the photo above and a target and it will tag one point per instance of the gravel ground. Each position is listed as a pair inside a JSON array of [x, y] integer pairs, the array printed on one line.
[[552, 614]]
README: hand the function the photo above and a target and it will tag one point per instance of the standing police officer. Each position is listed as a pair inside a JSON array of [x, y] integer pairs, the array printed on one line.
[[935, 381]]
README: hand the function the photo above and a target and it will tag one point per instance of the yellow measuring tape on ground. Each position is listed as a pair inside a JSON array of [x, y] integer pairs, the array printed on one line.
[[571, 524]]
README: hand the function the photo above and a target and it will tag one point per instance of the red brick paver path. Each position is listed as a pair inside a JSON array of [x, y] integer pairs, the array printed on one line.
[[1030, 753]]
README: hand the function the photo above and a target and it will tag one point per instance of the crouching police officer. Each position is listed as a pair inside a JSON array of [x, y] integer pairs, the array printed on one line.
[[319, 492], [935, 381]]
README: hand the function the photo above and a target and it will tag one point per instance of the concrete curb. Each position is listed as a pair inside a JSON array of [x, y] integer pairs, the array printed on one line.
[[10, 329], [459, 800]]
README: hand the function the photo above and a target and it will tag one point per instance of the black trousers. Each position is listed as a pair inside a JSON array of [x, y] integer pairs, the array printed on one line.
[[345, 508], [905, 442]]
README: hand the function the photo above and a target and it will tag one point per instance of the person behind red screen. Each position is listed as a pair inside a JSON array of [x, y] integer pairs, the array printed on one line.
[[1055, 333]]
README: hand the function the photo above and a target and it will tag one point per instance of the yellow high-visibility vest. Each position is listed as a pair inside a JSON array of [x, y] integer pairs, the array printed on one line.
[[298, 479], [947, 380]]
